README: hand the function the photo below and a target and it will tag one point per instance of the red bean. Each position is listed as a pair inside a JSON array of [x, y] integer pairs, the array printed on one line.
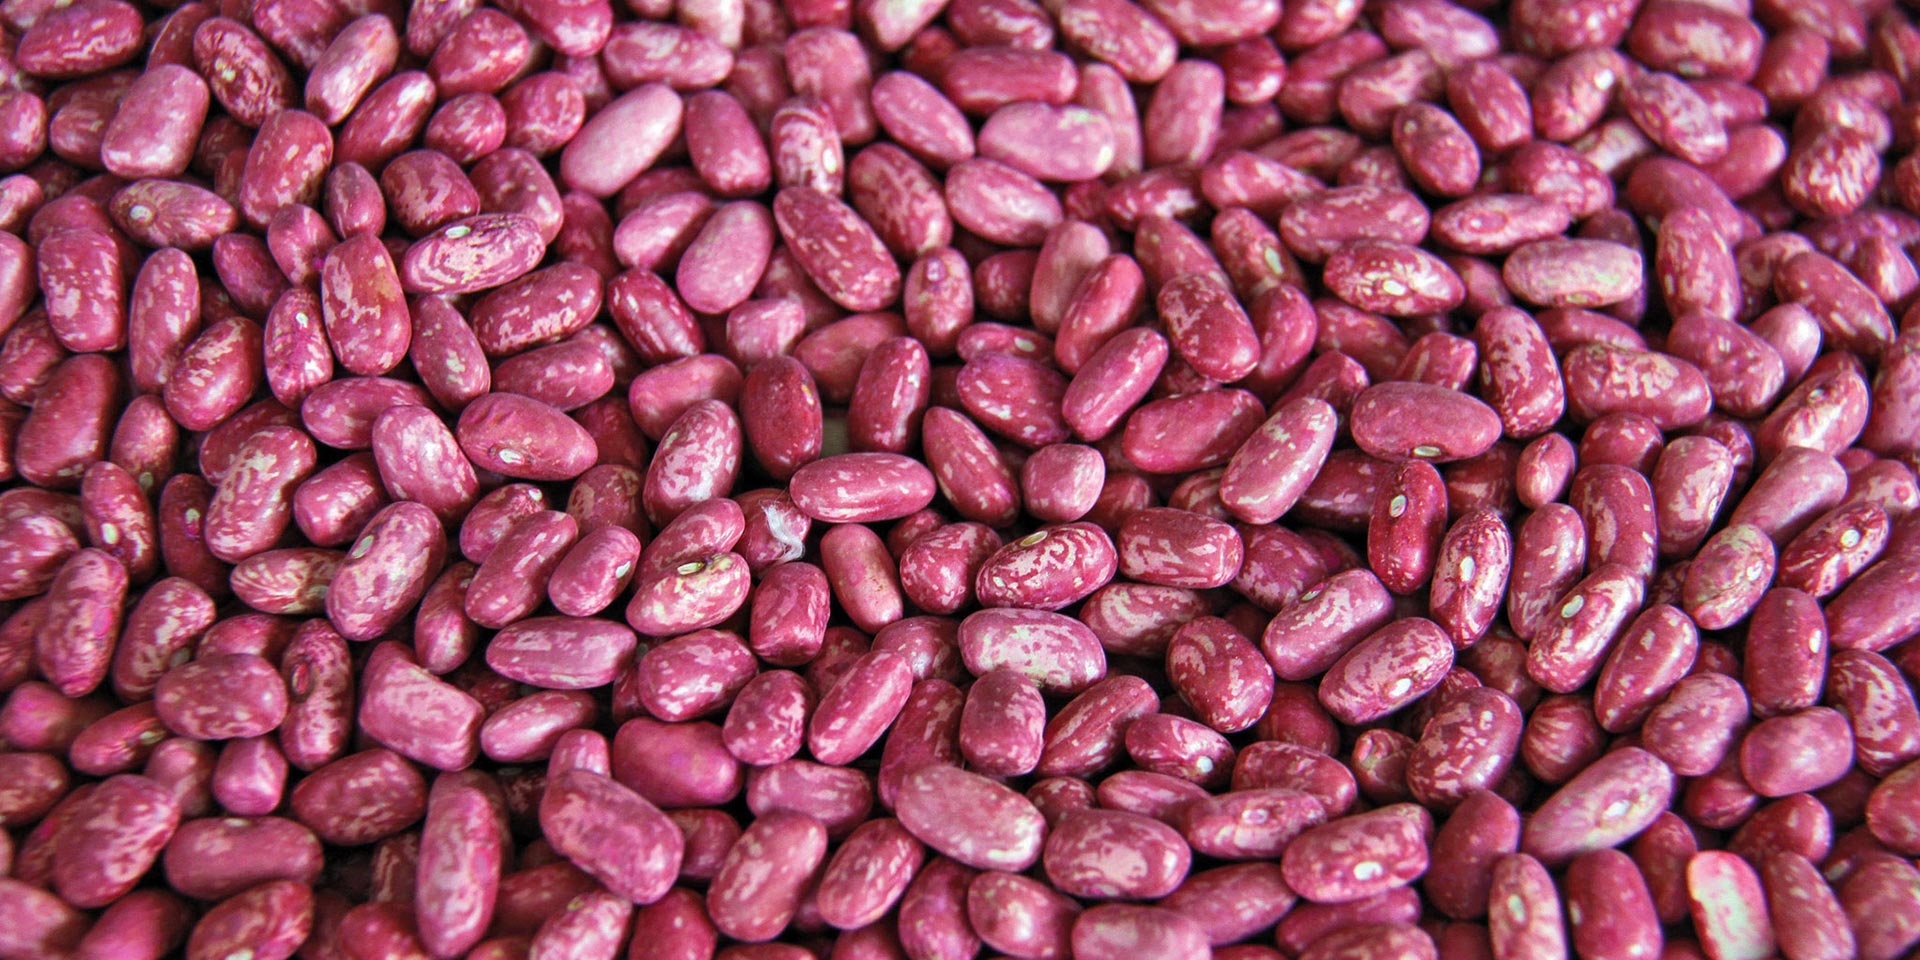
[[1113, 536]]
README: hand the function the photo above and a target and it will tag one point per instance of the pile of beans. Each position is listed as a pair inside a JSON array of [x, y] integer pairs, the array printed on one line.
[[937, 479]]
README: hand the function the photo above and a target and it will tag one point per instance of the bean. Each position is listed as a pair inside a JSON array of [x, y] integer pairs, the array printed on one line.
[[1638, 271]]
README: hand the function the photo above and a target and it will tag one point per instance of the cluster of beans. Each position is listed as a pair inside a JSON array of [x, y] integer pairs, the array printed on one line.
[[933, 479]]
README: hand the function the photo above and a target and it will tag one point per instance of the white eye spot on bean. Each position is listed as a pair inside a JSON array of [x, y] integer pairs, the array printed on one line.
[[1850, 539], [1397, 506], [1572, 607], [1426, 451], [457, 232], [1367, 870]]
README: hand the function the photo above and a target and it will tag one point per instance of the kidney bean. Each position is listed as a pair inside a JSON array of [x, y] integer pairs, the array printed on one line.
[[1877, 885], [1159, 436], [1219, 674], [855, 711], [1307, 637], [1734, 567], [148, 923], [1356, 857], [1077, 844], [1467, 746], [968, 469], [1139, 619], [1573, 273], [36, 547], [340, 812], [1661, 444], [559, 653], [1886, 729], [1019, 915], [1793, 753], [1795, 824], [1609, 802], [611, 833], [1048, 569], [1625, 440], [113, 837], [215, 858], [1056, 652], [699, 592], [868, 874], [861, 487], [74, 642], [1481, 830], [1720, 798], [1661, 855], [1807, 916], [969, 818], [753, 899], [1561, 737], [1693, 729], [513, 578], [1387, 670], [1658, 648], [1405, 530], [1176, 548], [675, 765], [418, 715], [1728, 905], [676, 925]]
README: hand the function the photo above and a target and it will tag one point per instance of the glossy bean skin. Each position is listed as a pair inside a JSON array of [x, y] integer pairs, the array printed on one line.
[[1090, 531], [1580, 817], [1320, 863]]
